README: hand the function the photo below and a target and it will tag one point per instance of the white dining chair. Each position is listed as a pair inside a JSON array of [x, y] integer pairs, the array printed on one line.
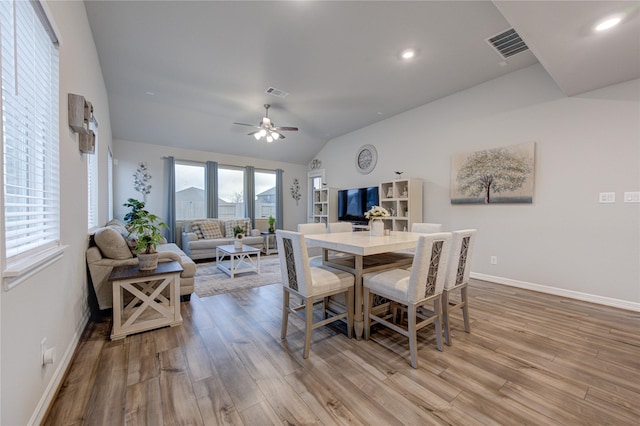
[[415, 290], [426, 228], [315, 253], [311, 284], [462, 245], [340, 227]]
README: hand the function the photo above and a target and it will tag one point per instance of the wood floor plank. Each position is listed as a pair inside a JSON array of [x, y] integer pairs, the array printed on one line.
[[530, 358], [76, 389], [179, 405], [142, 358], [144, 403], [215, 404]]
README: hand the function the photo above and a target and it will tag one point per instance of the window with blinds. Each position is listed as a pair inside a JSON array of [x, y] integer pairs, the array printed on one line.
[[30, 137], [110, 182], [92, 182]]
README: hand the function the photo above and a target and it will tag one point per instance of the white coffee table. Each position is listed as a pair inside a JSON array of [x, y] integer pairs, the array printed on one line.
[[232, 260]]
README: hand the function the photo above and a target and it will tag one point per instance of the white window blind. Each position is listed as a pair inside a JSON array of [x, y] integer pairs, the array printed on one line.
[[30, 137], [92, 182], [110, 181]]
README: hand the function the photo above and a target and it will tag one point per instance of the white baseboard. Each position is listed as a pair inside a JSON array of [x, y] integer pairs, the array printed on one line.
[[617, 303], [50, 392]]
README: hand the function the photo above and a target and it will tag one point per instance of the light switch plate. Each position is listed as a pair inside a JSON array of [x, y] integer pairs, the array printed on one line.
[[607, 197], [632, 197]]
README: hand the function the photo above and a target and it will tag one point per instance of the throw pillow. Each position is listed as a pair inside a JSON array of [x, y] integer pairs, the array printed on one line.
[[195, 227], [211, 230], [112, 244], [230, 224]]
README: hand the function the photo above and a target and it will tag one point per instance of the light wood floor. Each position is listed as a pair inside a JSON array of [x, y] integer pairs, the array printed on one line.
[[530, 359]]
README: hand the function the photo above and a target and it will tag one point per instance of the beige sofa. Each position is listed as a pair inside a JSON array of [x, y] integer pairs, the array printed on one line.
[[108, 248], [200, 244]]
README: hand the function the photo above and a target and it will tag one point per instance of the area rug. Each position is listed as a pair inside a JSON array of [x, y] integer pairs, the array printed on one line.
[[209, 280]]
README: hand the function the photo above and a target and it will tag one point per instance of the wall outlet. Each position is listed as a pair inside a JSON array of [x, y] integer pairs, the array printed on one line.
[[494, 260], [632, 197], [43, 348], [607, 197]]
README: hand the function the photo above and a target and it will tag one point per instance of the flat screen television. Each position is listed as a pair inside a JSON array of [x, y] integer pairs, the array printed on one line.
[[353, 203]]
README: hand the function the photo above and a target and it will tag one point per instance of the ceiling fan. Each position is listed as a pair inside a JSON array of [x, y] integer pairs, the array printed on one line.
[[267, 129]]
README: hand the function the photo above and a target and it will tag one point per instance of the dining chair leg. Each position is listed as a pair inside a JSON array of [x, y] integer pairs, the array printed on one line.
[[438, 313], [445, 317], [325, 307], [350, 314], [412, 334], [308, 326], [285, 313], [368, 301], [465, 308]]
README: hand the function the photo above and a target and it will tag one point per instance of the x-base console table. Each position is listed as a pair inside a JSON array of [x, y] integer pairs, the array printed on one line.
[[148, 307]]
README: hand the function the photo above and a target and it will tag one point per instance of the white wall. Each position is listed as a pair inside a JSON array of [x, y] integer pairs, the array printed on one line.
[[128, 154], [53, 303], [565, 242]]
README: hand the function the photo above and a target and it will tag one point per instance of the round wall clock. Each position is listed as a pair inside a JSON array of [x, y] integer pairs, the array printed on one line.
[[366, 159]]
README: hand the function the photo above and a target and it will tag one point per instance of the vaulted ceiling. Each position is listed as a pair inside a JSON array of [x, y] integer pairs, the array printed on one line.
[[180, 73]]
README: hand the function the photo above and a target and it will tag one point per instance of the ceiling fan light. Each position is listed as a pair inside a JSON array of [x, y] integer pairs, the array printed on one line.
[[275, 135], [257, 136], [609, 23], [269, 139], [262, 133]]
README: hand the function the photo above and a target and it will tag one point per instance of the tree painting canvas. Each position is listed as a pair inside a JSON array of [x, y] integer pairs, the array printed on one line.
[[492, 176]]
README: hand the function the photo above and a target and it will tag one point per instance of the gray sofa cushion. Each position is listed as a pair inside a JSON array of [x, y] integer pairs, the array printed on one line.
[[112, 244]]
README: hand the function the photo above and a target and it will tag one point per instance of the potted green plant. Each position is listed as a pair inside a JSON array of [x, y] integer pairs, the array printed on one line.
[[238, 233], [145, 227], [271, 221]]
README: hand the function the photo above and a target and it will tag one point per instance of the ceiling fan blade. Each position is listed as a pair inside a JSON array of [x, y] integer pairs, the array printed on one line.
[[291, 129], [245, 124], [253, 133]]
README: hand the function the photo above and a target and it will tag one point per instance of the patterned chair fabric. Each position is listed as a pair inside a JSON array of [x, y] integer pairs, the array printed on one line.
[[310, 283], [457, 278], [413, 289]]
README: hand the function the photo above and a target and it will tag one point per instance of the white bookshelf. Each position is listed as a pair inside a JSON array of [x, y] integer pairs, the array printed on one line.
[[403, 199], [325, 205]]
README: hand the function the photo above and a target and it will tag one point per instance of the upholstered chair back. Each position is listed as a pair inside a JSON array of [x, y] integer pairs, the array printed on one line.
[[428, 271], [426, 228], [294, 262], [312, 228], [462, 245], [340, 227]]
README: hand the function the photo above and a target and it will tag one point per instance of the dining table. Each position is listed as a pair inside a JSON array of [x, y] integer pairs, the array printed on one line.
[[361, 253]]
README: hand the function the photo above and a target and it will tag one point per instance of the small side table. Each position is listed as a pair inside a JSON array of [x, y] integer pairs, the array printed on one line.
[[269, 246], [149, 308], [239, 260]]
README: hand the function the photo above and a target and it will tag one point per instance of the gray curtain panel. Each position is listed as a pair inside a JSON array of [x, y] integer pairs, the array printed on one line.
[[279, 200], [250, 194], [170, 185], [211, 188]]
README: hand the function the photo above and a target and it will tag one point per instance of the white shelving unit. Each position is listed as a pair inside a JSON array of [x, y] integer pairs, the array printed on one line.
[[403, 199], [325, 205]]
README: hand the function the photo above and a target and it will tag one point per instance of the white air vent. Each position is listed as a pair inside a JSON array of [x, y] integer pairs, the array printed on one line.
[[507, 43], [276, 92]]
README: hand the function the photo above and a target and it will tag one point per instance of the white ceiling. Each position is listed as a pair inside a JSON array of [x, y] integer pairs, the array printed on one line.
[[208, 63]]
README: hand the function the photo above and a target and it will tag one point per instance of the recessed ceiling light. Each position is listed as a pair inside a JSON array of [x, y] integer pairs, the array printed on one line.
[[150, 93], [609, 23], [408, 53]]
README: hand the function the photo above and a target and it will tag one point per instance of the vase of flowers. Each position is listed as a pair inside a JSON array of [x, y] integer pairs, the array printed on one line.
[[375, 216]]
